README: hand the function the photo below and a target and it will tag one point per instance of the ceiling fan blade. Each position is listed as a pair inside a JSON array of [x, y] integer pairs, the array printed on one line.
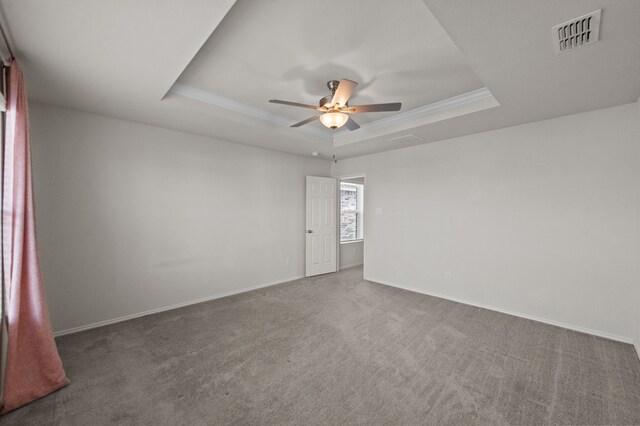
[[343, 92], [308, 120], [296, 104], [374, 107], [351, 125]]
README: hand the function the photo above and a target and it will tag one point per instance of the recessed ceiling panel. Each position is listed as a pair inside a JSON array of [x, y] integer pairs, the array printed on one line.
[[288, 49]]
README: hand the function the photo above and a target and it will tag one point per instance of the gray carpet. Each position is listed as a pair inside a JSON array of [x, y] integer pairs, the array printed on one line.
[[335, 350]]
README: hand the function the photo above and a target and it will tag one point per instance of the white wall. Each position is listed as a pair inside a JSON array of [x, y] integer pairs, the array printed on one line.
[[636, 300], [351, 254], [539, 219], [133, 218]]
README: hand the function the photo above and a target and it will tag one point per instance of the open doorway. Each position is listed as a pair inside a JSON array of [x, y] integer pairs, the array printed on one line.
[[351, 219]]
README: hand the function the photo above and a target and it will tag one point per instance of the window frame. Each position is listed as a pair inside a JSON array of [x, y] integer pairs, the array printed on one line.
[[359, 212]]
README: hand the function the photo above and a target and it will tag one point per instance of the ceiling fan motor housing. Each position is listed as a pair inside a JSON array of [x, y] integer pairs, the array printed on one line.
[[333, 86], [325, 101]]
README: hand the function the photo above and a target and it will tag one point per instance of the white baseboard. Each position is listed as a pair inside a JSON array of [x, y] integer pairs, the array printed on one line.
[[415, 290], [168, 308], [350, 265], [609, 336]]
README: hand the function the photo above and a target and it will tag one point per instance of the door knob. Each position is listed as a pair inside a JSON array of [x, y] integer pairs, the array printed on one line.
[[309, 231]]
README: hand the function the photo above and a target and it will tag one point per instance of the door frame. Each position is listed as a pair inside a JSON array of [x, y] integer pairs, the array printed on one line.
[[340, 178]]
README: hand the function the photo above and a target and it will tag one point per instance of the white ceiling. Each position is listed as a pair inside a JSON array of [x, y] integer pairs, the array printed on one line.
[[394, 53], [459, 67]]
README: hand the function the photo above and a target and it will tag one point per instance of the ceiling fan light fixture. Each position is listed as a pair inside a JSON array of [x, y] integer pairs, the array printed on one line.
[[334, 107], [334, 120]]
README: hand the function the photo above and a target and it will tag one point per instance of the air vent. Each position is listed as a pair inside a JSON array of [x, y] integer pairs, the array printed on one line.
[[577, 32]]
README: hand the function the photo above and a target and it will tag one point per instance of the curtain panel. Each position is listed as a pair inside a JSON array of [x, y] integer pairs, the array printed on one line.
[[33, 366]]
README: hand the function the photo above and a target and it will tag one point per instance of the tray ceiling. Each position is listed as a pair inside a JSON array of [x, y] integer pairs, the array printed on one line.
[[289, 49], [209, 67]]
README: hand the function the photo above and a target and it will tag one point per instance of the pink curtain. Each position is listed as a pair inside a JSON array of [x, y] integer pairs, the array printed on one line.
[[33, 368]]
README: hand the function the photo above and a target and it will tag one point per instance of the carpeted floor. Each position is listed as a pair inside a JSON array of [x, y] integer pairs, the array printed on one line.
[[333, 350]]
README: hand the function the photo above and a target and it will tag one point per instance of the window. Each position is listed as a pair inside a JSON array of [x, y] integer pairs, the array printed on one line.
[[351, 206]]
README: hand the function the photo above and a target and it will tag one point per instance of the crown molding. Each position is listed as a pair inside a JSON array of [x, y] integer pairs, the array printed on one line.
[[232, 105], [476, 100], [466, 103]]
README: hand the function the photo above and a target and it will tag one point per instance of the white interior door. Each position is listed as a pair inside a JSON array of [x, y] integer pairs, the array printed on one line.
[[321, 226]]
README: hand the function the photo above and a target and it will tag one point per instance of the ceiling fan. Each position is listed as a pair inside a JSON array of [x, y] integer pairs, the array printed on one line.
[[335, 108]]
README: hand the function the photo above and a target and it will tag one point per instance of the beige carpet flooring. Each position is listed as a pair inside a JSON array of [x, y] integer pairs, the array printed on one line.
[[334, 350]]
